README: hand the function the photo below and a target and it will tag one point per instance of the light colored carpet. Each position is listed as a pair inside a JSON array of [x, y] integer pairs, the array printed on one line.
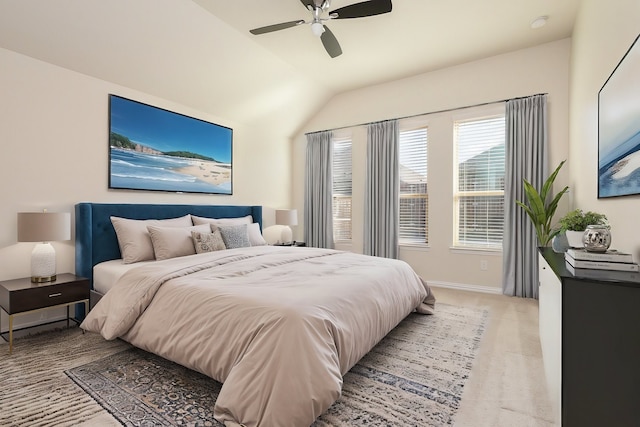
[[505, 388]]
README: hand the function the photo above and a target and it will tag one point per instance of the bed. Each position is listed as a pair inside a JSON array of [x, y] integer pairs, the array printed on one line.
[[278, 326]]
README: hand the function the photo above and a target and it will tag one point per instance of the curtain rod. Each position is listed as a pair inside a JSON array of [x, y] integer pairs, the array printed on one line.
[[432, 112]]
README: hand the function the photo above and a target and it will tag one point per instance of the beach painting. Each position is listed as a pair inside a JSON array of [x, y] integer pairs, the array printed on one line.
[[159, 150], [619, 128]]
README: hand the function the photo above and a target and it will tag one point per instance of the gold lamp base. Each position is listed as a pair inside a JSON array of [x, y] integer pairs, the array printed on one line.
[[43, 279]]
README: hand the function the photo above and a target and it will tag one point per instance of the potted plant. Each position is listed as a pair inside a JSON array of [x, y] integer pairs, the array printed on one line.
[[575, 223], [541, 207]]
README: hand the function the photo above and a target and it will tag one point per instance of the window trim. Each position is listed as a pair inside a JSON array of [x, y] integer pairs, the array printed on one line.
[[341, 137], [478, 113], [410, 125]]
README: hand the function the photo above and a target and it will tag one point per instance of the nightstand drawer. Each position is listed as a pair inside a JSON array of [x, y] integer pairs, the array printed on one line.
[[47, 296], [21, 296]]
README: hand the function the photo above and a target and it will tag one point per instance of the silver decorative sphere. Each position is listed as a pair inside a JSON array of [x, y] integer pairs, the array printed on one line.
[[597, 238]]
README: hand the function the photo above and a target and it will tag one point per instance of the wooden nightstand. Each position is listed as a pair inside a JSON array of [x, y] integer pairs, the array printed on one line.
[[20, 296]]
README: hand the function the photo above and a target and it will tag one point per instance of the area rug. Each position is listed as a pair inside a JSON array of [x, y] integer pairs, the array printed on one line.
[[414, 377]]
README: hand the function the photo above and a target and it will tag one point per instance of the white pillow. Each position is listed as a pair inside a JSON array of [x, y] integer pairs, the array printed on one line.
[[255, 237], [197, 220], [172, 242], [133, 236]]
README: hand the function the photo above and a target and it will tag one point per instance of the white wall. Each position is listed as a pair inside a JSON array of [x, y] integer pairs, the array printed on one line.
[[54, 153], [542, 69], [603, 33]]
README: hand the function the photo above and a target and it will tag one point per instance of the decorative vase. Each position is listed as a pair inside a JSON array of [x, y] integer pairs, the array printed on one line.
[[574, 238], [559, 244], [597, 238]]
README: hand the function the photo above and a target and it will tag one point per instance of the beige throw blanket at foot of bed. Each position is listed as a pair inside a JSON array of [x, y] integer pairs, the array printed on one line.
[[277, 326]]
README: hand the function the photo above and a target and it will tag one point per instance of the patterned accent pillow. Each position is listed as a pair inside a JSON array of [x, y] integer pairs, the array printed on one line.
[[208, 242], [235, 236]]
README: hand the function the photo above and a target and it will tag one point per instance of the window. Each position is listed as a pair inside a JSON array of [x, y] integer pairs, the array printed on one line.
[[341, 189], [414, 202], [479, 190]]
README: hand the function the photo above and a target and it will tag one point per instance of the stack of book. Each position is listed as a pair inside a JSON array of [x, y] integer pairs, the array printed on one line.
[[581, 262]]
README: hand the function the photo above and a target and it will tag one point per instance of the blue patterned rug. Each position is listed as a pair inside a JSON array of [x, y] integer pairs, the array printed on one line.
[[413, 377]]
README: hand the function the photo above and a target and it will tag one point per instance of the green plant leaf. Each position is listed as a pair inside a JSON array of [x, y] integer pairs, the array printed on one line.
[[576, 220], [540, 211]]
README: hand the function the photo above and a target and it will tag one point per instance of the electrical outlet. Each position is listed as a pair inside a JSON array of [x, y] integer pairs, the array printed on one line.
[[484, 265]]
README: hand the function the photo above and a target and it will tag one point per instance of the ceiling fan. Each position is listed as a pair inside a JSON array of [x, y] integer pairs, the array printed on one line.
[[318, 8]]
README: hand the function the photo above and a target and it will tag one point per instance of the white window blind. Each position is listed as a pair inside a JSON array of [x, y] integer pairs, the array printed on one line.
[[342, 189], [479, 191], [414, 201]]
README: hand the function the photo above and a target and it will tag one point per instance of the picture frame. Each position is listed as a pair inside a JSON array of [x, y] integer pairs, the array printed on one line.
[[619, 128], [154, 149]]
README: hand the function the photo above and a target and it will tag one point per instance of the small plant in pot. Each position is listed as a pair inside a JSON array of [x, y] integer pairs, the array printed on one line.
[[575, 223]]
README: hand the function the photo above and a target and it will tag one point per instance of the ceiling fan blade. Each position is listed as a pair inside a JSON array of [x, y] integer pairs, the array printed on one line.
[[275, 27], [330, 43], [308, 3], [362, 9]]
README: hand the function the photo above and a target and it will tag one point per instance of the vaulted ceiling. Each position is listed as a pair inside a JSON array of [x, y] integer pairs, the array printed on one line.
[[200, 53]]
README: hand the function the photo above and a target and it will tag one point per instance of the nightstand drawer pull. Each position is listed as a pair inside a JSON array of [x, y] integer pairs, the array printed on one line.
[[55, 295]]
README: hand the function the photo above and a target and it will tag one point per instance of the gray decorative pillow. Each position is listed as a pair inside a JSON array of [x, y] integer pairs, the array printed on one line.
[[207, 242], [235, 236]]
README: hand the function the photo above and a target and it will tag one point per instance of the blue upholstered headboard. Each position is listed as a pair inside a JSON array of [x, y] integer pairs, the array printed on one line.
[[96, 238]]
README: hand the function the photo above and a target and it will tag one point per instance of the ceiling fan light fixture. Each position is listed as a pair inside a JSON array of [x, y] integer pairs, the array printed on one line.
[[317, 29]]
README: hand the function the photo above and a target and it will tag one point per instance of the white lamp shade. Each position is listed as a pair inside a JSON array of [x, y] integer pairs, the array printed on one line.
[[44, 226], [286, 216]]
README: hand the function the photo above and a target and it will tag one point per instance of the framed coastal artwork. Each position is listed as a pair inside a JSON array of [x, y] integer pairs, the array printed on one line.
[[158, 150], [619, 128]]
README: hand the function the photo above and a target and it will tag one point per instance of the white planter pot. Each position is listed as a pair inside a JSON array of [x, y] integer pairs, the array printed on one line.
[[575, 238]]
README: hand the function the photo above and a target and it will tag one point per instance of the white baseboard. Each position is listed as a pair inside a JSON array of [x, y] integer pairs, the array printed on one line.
[[465, 287]]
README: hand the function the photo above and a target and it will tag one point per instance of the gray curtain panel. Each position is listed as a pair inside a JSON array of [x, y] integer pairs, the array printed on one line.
[[318, 218], [525, 157], [381, 215]]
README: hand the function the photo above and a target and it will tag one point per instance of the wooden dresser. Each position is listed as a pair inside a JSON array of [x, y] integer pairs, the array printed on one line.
[[590, 336]]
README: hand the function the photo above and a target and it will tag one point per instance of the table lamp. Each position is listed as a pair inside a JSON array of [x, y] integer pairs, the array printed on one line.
[[43, 227], [286, 217]]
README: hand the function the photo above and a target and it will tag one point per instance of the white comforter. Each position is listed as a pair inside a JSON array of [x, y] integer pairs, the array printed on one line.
[[278, 326]]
